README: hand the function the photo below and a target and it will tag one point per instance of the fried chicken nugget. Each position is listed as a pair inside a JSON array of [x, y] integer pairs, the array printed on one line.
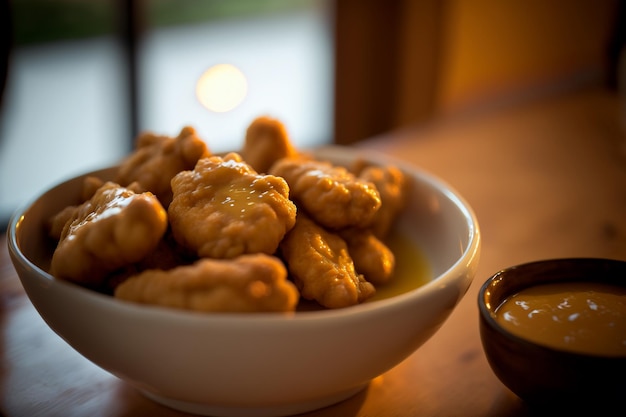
[[371, 257], [157, 159], [321, 267], [331, 195], [266, 142], [57, 222], [249, 283], [223, 209], [391, 183], [116, 227], [90, 186], [167, 255]]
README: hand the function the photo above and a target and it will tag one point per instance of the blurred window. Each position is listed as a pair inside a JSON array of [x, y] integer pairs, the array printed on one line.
[[67, 106], [283, 48]]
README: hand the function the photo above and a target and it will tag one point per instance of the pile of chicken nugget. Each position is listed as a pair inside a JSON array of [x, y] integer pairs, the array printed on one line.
[[257, 230]]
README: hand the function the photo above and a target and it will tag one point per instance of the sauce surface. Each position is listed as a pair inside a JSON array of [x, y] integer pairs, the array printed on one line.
[[580, 316], [412, 268]]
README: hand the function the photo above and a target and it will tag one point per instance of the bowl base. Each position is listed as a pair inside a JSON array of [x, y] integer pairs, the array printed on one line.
[[269, 411]]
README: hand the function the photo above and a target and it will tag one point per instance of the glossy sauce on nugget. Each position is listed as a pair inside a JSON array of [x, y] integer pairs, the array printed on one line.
[[114, 228], [321, 266], [330, 194], [223, 209]]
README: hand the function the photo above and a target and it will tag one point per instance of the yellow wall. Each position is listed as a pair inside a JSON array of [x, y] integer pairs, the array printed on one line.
[[491, 48]]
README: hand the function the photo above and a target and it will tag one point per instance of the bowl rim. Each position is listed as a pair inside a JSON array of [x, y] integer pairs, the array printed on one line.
[[468, 258], [488, 315]]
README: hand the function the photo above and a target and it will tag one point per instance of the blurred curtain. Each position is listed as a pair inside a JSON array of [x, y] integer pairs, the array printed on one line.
[[402, 62], [5, 44], [387, 59]]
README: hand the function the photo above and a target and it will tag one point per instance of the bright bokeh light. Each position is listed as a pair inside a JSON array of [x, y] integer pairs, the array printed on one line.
[[222, 88]]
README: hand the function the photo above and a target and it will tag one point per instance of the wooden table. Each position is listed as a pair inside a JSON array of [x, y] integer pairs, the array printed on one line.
[[546, 179]]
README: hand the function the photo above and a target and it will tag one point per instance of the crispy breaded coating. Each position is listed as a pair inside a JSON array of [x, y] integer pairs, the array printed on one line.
[[116, 227], [321, 267], [249, 283], [167, 255], [266, 142], [391, 184], [156, 159], [57, 223], [90, 186], [331, 195], [371, 257], [223, 209]]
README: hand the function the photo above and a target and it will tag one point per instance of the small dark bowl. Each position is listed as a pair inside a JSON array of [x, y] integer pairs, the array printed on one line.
[[544, 376]]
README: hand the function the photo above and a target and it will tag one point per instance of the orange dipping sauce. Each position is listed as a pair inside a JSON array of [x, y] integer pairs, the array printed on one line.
[[582, 317]]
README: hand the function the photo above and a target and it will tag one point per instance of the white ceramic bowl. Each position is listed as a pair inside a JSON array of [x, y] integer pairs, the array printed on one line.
[[257, 364]]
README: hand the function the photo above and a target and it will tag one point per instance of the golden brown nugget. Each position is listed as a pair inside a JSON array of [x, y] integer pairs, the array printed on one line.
[[223, 209], [115, 228], [266, 142], [371, 257], [91, 184], [157, 159], [167, 255], [249, 283], [391, 183], [331, 195], [321, 267], [57, 223]]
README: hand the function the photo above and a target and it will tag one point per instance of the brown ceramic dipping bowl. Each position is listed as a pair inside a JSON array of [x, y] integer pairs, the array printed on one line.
[[546, 376]]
